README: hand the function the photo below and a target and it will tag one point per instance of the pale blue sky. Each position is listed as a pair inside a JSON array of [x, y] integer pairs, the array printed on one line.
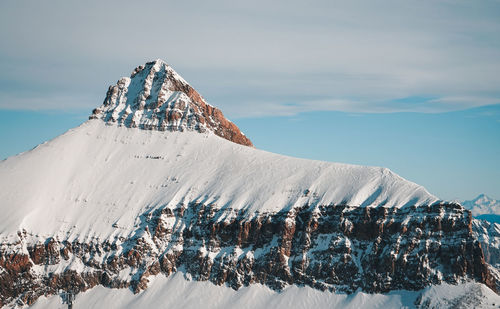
[[410, 85]]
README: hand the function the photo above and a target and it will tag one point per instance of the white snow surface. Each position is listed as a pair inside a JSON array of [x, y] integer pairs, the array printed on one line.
[[178, 292], [97, 179]]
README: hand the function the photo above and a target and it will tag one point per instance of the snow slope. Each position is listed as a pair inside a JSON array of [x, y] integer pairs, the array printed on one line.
[[95, 180], [177, 292]]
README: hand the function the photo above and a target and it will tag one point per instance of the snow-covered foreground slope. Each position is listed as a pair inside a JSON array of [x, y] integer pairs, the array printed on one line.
[[177, 292], [95, 180]]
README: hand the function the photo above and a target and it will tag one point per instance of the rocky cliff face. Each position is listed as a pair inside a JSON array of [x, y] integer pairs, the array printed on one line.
[[488, 234], [155, 97], [331, 247]]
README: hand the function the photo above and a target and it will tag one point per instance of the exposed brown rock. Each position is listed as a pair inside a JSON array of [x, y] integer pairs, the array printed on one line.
[[156, 79], [326, 247]]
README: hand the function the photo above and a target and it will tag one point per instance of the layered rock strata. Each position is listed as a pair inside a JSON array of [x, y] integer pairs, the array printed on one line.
[[155, 97], [334, 247]]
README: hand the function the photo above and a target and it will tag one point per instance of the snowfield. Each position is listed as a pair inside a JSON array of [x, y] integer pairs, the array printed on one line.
[[178, 292], [95, 180]]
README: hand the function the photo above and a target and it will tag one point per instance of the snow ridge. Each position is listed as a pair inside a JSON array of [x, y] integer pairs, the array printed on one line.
[[98, 174]]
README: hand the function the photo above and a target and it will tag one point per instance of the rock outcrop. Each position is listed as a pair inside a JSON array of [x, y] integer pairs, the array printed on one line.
[[330, 247], [488, 234], [155, 97]]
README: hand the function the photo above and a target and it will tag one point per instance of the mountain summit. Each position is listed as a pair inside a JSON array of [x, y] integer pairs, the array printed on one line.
[[155, 97]]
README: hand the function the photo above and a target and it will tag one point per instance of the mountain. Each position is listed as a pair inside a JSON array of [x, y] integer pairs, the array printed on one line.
[[158, 183], [484, 207]]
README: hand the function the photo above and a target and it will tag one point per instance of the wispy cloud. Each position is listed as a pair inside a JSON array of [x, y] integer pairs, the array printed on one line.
[[261, 108], [259, 58]]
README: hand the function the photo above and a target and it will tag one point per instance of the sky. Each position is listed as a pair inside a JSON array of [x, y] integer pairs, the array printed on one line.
[[409, 85]]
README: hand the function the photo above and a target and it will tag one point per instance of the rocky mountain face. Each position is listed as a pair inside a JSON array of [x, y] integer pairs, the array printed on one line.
[[155, 97], [331, 247], [127, 196], [488, 234]]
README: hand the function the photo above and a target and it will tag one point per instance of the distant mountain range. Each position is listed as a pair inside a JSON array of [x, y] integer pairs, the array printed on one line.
[[484, 207]]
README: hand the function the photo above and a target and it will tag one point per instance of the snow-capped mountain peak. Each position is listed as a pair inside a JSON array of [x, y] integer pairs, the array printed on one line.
[[155, 97], [118, 201], [483, 204]]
